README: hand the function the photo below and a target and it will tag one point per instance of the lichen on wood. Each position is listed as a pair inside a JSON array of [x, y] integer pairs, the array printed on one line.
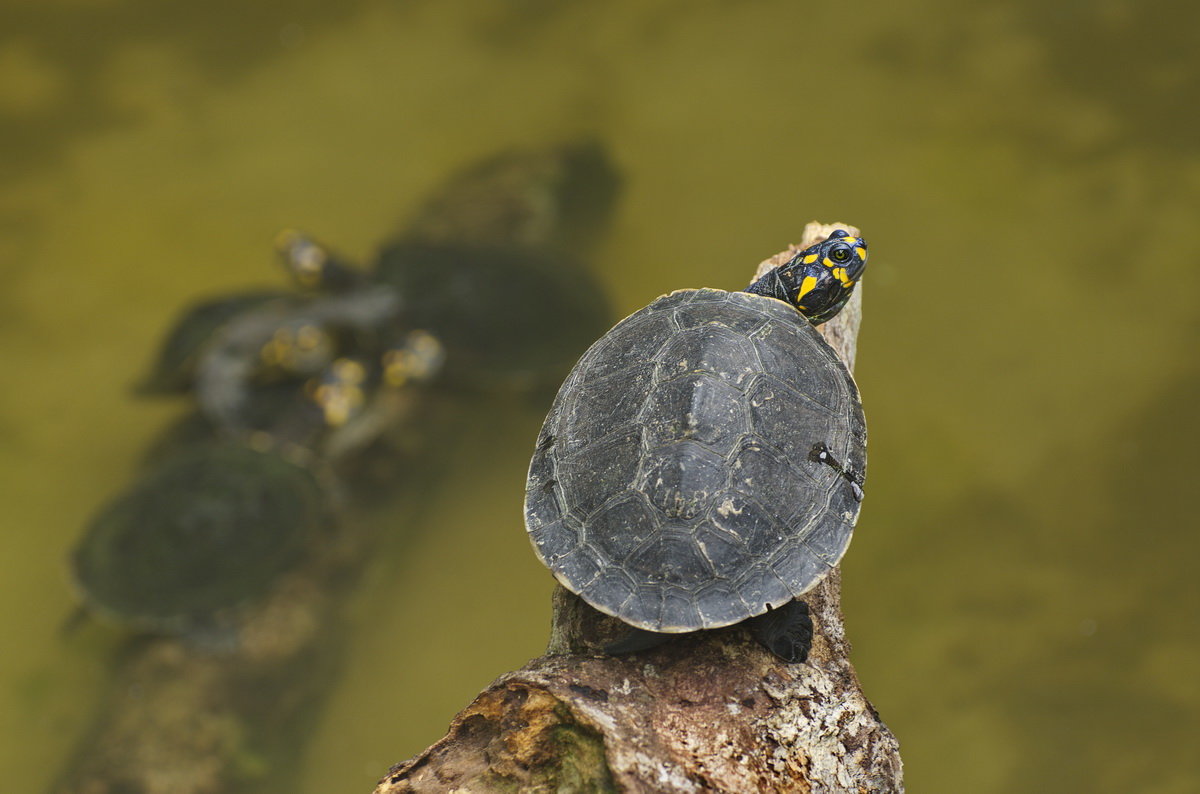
[[708, 711]]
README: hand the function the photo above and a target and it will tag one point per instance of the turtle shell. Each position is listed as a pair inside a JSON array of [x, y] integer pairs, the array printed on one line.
[[209, 529], [174, 370], [701, 464], [507, 316]]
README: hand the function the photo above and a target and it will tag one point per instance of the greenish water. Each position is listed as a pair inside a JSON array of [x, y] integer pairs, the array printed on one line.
[[1022, 590]]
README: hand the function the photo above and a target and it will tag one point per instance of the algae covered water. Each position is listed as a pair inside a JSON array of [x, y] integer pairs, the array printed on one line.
[[1020, 592]]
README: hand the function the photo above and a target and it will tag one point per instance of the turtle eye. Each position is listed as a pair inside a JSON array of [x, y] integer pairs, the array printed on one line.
[[841, 255]]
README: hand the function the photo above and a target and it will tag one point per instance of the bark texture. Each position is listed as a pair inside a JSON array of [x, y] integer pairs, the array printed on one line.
[[709, 711]]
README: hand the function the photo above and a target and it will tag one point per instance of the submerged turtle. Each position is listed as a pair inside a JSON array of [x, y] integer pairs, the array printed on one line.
[[491, 306], [174, 368], [200, 325], [312, 266], [482, 260], [703, 463], [338, 410], [289, 343], [208, 530], [322, 372], [509, 317], [214, 521], [556, 198], [491, 265]]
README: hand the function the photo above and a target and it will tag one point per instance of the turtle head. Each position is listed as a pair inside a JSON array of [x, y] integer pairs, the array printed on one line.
[[340, 390], [312, 265], [416, 358], [819, 280]]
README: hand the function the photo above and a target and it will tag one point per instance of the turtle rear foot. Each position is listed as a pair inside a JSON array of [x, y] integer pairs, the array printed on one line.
[[786, 632]]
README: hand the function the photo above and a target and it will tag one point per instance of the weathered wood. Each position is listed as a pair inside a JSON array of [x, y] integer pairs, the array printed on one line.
[[711, 711]]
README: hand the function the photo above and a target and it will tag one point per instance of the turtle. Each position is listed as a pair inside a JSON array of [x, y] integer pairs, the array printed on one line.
[[478, 300], [288, 382], [286, 343], [334, 411], [473, 264], [490, 263], [510, 317], [313, 266], [173, 370], [556, 198], [217, 516], [703, 464], [206, 531], [360, 397]]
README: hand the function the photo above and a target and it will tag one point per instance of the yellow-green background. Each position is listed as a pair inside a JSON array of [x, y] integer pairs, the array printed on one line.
[[1022, 591]]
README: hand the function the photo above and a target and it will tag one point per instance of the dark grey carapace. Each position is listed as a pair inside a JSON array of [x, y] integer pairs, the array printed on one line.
[[674, 484]]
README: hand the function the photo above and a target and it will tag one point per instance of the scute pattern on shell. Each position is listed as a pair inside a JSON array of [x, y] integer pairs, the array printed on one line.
[[673, 484]]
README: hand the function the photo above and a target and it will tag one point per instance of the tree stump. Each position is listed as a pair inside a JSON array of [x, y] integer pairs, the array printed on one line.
[[708, 711]]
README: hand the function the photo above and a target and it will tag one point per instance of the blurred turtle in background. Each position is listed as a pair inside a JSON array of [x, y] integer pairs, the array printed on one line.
[[204, 533], [493, 265], [559, 199], [485, 288], [173, 370], [214, 521], [288, 343]]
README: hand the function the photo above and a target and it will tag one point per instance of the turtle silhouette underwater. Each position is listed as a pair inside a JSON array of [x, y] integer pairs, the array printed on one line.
[[494, 265], [288, 385], [703, 464], [206, 532]]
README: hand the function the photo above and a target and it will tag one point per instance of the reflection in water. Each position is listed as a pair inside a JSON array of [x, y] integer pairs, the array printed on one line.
[[226, 541]]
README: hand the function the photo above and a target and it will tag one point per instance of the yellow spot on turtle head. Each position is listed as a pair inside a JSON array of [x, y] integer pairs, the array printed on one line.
[[269, 354], [806, 286], [309, 337], [338, 401], [395, 372], [827, 262], [840, 274], [280, 349], [349, 371], [304, 258], [850, 240], [808, 260], [419, 359]]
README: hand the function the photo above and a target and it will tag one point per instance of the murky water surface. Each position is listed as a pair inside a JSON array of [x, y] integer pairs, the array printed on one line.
[[1022, 590]]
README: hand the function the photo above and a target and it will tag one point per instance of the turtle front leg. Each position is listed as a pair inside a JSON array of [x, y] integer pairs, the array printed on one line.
[[786, 632]]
